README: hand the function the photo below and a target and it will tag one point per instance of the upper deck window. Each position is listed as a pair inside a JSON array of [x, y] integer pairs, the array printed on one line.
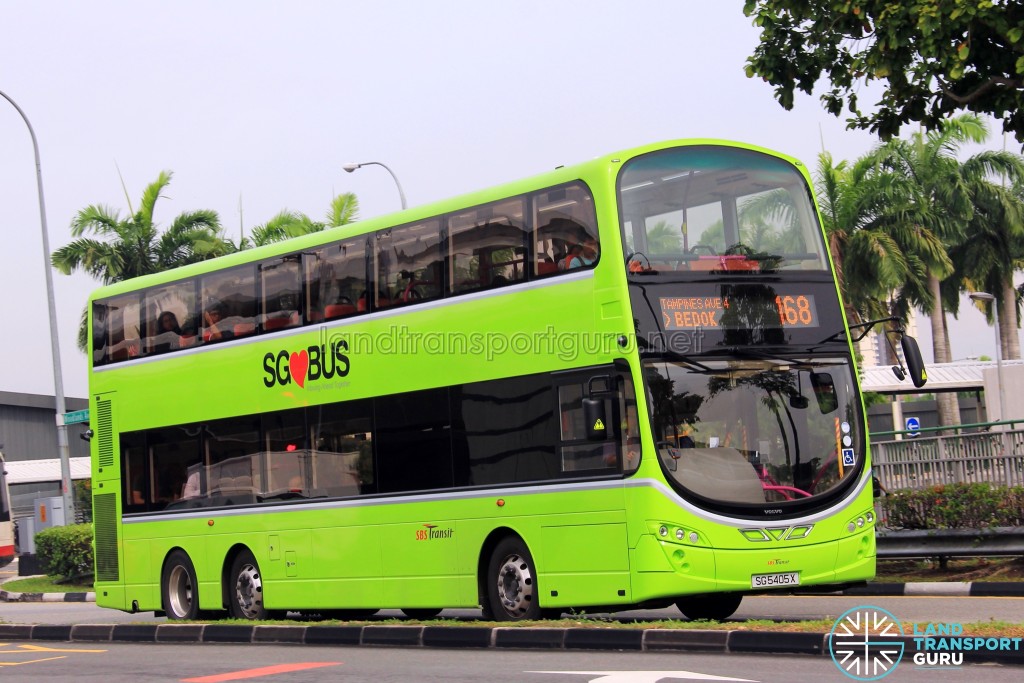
[[229, 304], [717, 209], [566, 224], [488, 246]]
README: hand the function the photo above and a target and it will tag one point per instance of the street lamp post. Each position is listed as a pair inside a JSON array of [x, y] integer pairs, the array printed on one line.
[[58, 380], [352, 167], [985, 296]]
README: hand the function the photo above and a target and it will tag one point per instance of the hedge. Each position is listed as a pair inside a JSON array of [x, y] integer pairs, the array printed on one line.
[[955, 506], [65, 551]]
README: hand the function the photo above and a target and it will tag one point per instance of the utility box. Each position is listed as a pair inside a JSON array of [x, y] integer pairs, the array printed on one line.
[[26, 532], [49, 512]]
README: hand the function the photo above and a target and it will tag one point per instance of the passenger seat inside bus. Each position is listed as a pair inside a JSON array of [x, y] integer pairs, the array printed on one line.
[[720, 474]]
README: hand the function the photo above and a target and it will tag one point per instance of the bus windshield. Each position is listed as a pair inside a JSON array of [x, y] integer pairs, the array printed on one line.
[[715, 209], [754, 430]]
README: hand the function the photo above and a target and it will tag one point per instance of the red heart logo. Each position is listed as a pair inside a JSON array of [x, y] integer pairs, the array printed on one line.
[[298, 364]]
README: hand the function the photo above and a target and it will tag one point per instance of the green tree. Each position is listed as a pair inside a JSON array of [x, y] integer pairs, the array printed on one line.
[[876, 257], [994, 246], [944, 193], [123, 248], [934, 58], [285, 225]]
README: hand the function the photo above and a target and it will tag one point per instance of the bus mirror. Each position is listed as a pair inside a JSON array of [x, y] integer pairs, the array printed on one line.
[[825, 391], [596, 419], [912, 354]]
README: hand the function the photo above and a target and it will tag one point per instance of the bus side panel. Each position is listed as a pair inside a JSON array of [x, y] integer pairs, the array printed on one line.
[[420, 563], [585, 563]]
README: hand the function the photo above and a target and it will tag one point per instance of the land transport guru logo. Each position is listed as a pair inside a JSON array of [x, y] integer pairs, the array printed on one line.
[[313, 363], [866, 644]]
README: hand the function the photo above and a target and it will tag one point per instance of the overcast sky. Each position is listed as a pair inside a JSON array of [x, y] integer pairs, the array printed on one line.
[[255, 106]]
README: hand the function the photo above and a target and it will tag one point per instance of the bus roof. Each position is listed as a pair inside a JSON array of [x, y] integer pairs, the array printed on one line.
[[608, 163]]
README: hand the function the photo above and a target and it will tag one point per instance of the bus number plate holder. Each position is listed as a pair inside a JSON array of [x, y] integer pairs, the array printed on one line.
[[774, 580]]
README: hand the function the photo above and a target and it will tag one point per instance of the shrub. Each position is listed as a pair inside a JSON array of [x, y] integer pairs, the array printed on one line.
[[955, 506], [65, 551]]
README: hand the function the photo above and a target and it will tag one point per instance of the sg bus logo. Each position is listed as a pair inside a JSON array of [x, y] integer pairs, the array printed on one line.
[[316, 362]]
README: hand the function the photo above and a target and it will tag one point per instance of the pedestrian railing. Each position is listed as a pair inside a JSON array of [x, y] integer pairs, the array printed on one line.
[[931, 458]]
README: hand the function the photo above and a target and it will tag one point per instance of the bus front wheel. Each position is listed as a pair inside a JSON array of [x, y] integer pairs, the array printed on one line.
[[512, 582], [711, 607], [181, 588], [246, 588]]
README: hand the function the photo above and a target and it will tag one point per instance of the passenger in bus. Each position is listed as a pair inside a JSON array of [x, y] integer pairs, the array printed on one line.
[[168, 333], [573, 254], [582, 254], [193, 485], [215, 327]]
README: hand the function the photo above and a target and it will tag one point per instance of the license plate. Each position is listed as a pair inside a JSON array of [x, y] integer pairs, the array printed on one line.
[[774, 580]]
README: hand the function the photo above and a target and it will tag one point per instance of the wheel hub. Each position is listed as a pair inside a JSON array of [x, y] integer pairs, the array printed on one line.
[[249, 591], [515, 585], [180, 592]]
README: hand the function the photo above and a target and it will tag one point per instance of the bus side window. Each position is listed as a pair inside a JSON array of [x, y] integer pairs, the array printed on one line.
[[408, 264], [487, 246], [280, 306], [578, 451], [565, 221]]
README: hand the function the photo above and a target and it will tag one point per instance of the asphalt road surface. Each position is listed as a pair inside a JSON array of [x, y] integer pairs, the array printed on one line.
[[111, 662]]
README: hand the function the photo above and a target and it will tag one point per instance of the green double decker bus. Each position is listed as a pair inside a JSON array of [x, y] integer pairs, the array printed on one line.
[[623, 383]]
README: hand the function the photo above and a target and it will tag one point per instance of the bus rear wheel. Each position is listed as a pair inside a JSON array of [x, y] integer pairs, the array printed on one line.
[[246, 588], [512, 582], [180, 587], [711, 607]]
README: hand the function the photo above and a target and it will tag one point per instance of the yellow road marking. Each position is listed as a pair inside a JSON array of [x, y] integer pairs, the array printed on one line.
[[31, 661], [41, 648]]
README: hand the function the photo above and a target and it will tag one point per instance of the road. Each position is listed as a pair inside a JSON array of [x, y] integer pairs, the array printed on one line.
[[106, 662]]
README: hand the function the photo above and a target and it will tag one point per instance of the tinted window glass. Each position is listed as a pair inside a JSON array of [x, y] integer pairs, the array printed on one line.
[[176, 458], [488, 246], [229, 304], [343, 449], [281, 287], [717, 209], [232, 449], [337, 280], [414, 449], [505, 431], [408, 264], [170, 317], [577, 452], [566, 234], [118, 328], [135, 473], [288, 471]]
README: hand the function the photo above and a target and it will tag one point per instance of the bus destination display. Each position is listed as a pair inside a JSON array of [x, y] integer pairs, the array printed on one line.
[[693, 312]]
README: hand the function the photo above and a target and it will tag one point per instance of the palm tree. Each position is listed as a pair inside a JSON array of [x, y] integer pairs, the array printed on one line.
[[941, 191], [875, 263], [344, 209], [994, 248], [124, 248]]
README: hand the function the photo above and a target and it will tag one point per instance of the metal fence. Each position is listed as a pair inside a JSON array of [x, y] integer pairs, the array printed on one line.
[[990, 457]]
